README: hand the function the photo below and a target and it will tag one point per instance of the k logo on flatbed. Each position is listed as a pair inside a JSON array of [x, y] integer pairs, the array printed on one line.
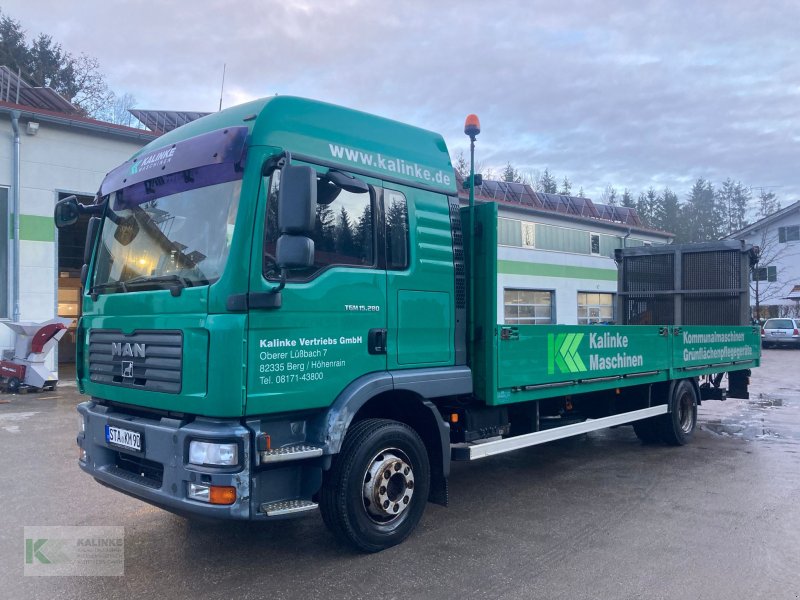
[[562, 351]]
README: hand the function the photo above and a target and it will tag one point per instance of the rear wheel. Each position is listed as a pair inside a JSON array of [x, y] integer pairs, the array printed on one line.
[[375, 492], [13, 385], [678, 425]]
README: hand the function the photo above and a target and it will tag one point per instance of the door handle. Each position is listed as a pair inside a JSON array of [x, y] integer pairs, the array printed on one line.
[[376, 341]]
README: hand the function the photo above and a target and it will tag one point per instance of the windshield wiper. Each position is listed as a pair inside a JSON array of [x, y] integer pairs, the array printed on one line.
[[93, 292], [178, 282]]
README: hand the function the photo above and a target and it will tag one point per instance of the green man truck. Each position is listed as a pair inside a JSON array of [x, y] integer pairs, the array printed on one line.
[[276, 319]]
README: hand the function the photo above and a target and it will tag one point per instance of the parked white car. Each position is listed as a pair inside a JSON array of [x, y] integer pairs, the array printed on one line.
[[781, 332]]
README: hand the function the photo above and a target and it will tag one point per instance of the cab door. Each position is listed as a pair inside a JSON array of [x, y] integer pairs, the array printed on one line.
[[303, 353], [420, 278]]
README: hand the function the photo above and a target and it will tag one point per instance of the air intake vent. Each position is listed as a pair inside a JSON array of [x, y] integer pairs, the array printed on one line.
[[145, 360]]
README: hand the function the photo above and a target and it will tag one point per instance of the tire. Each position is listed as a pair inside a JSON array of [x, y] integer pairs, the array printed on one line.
[[13, 385], [678, 425], [647, 430], [355, 506]]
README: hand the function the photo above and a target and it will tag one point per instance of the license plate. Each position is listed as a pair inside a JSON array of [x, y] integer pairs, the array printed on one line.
[[124, 438]]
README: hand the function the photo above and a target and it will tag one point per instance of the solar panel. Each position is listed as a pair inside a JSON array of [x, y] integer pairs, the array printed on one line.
[[162, 121], [16, 90]]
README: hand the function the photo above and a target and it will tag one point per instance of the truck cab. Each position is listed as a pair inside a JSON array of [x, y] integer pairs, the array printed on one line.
[[257, 279]]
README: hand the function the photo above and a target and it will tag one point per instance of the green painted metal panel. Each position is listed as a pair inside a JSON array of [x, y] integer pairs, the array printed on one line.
[[423, 332], [35, 228], [514, 267], [483, 316], [696, 347], [541, 354]]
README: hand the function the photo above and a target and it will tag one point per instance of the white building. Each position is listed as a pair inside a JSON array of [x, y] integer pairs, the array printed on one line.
[[775, 282], [47, 152], [555, 255]]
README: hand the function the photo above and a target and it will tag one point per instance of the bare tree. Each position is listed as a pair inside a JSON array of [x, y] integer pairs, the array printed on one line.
[[93, 98]]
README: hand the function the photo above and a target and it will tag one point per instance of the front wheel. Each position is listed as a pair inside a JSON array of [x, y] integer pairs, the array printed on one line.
[[375, 492], [678, 425]]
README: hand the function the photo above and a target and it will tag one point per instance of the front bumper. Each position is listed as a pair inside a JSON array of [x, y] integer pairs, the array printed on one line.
[[160, 474]]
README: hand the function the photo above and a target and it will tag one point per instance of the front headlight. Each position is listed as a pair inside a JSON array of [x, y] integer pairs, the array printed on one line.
[[206, 453], [81, 423]]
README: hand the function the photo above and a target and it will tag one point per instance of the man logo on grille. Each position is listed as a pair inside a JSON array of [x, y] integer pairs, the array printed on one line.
[[127, 369]]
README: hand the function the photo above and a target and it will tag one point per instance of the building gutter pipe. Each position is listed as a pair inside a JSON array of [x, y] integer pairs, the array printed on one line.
[[15, 190]]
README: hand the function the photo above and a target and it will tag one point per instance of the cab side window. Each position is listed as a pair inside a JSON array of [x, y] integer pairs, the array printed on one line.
[[396, 209], [344, 230]]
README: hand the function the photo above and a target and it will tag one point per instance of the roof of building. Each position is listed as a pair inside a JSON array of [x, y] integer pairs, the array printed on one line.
[[776, 216], [76, 121], [523, 196]]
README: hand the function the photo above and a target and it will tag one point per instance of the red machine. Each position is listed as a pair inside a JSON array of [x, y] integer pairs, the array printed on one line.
[[35, 341]]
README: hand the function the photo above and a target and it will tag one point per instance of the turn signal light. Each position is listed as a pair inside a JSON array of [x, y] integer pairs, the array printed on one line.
[[213, 494], [222, 494]]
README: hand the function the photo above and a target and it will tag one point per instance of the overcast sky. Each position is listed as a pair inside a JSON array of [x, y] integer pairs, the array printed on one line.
[[628, 93]]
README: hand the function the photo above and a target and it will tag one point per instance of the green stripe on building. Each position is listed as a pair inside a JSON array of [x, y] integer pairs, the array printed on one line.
[[512, 267], [34, 228]]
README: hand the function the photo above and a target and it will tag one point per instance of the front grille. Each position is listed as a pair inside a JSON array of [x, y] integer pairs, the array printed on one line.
[[146, 360], [138, 470]]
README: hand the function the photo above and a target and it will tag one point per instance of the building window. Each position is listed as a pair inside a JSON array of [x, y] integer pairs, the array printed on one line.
[[528, 307], [789, 234], [594, 241], [528, 234], [765, 274], [595, 308], [343, 232], [4, 243], [396, 230]]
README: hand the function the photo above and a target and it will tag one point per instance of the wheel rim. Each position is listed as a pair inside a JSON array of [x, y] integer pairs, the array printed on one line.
[[388, 486], [686, 412]]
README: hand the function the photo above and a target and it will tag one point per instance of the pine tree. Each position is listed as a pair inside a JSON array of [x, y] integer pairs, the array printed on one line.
[[566, 187], [547, 183], [733, 198], [703, 217], [610, 195], [627, 199], [767, 204], [667, 213], [580, 193], [510, 174]]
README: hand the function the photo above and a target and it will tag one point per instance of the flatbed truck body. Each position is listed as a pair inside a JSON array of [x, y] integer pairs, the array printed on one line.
[[275, 319]]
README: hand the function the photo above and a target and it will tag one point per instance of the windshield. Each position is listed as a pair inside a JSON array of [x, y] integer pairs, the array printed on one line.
[[172, 228]]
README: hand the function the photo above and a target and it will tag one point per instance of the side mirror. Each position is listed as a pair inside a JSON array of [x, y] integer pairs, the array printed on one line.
[[66, 212], [294, 252], [347, 182], [297, 200], [297, 210]]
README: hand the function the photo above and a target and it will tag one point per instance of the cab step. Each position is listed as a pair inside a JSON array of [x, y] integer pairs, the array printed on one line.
[[298, 452], [287, 507]]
